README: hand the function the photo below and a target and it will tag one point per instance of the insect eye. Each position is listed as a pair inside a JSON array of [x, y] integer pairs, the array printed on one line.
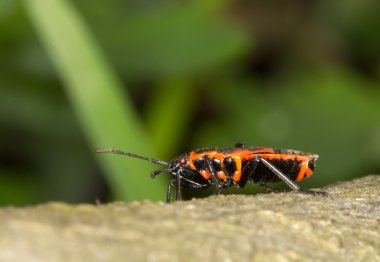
[[311, 165], [182, 161]]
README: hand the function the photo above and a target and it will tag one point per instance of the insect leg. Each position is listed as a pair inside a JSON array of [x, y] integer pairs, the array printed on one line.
[[248, 171], [193, 181], [169, 193], [181, 180], [214, 179], [313, 192], [178, 195], [287, 180], [269, 189], [176, 182], [156, 172], [280, 175]]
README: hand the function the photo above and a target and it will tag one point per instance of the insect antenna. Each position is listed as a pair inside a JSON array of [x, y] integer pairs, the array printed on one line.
[[155, 173], [116, 151]]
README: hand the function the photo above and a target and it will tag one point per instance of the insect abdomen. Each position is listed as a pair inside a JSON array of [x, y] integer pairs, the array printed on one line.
[[261, 173]]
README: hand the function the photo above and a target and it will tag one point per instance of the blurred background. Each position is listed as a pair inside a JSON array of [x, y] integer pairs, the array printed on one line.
[[162, 77]]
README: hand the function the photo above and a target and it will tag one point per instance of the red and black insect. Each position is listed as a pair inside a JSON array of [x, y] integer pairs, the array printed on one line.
[[222, 168]]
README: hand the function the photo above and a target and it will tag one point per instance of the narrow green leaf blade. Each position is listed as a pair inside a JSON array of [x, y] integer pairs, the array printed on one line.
[[105, 113]]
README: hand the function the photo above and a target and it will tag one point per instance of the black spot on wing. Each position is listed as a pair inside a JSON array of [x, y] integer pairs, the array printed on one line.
[[199, 164], [216, 164], [229, 166]]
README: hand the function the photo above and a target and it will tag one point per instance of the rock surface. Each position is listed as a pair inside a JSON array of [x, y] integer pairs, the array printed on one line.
[[267, 227]]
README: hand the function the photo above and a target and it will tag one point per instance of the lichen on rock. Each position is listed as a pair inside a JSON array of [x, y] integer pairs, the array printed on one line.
[[345, 226]]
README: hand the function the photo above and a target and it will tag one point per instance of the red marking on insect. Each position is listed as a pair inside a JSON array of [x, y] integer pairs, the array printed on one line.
[[182, 161], [222, 168]]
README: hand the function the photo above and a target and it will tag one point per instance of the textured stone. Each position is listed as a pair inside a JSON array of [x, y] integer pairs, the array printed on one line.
[[266, 227]]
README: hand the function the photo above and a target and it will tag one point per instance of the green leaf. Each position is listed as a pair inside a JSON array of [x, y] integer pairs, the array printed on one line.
[[102, 107], [166, 39], [169, 114]]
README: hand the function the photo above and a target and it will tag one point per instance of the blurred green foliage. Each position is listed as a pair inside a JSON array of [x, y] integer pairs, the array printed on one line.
[[160, 78]]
